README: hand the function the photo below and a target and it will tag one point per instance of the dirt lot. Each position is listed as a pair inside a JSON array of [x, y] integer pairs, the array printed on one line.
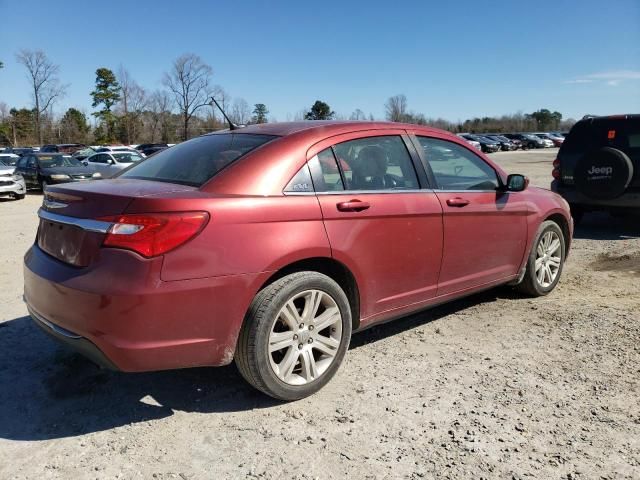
[[494, 386]]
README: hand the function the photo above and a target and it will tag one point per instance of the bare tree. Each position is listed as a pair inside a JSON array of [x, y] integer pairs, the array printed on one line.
[[133, 100], [396, 108], [160, 105], [358, 115], [189, 81], [43, 75], [240, 112], [4, 111]]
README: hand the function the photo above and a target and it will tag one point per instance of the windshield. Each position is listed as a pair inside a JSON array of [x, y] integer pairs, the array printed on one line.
[[9, 161], [196, 161], [58, 161], [128, 157]]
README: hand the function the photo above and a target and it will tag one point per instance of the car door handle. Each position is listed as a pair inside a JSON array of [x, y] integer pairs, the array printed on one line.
[[457, 202], [352, 206]]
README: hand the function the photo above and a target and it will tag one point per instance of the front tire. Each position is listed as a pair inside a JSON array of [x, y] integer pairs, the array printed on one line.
[[545, 262], [295, 336]]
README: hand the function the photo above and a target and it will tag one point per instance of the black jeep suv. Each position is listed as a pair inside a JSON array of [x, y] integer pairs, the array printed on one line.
[[598, 165]]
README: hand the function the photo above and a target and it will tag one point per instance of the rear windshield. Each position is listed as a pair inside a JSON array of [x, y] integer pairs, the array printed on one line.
[[196, 161]]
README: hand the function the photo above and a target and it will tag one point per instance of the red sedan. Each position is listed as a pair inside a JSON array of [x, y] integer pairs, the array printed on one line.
[[271, 244]]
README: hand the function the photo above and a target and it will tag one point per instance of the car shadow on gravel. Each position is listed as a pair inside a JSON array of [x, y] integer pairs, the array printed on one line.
[[602, 226], [47, 391]]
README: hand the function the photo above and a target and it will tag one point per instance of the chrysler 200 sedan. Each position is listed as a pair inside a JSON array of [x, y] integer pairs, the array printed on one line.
[[271, 244]]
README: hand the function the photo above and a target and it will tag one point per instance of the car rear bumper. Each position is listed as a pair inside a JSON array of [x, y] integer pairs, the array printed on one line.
[[628, 200], [72, 340], [119, 313]]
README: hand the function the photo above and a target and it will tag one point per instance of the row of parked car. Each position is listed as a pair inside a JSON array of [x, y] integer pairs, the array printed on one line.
[[495, 142], [32, 167]]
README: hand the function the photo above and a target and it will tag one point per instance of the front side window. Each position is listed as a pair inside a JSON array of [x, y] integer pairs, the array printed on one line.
[[457, 168], [196, 161]]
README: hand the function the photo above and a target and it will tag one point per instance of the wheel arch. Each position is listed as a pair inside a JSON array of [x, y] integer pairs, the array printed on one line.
[[563, 223], [332, 268]]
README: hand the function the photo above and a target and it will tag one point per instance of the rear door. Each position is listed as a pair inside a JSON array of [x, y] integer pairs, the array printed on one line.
[[378, 220], [485, 230]]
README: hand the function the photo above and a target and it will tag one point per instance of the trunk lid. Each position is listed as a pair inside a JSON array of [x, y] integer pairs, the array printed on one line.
[[68, 228]]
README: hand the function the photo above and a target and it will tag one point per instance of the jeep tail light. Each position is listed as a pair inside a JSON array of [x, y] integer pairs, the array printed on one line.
[[153, 234], [556, 163], [555, 173]]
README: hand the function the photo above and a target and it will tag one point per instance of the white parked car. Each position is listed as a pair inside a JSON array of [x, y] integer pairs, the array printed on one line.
[[110, 163], [11, 184], [117, 148]]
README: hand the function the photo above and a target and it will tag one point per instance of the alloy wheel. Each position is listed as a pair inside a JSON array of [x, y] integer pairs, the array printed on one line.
[[548, 259], [305, 337]]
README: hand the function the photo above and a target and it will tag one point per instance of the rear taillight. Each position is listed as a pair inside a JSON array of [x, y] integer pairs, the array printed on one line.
[[555, 173], [153, 234]]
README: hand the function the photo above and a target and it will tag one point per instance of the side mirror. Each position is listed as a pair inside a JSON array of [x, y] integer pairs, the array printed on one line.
[[516, 183], [85, 163]]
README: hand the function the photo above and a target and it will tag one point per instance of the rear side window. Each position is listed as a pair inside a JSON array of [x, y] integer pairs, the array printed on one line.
[[196, 161], [372, 163], [376, 163]]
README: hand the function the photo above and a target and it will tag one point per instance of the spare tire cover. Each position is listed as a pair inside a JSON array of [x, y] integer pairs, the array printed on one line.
[[603, 174]]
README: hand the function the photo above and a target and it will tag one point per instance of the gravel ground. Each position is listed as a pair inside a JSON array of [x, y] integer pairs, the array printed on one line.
[[493, 386]]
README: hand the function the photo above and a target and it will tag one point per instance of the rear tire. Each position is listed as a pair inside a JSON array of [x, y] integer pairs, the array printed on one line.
[[545, 262], [276, 352]]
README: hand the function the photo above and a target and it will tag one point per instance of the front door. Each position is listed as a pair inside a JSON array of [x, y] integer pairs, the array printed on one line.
[[379, 222], [485, 229]]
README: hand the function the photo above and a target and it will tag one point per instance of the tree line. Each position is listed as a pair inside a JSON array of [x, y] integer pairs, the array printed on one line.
[[125, 112]]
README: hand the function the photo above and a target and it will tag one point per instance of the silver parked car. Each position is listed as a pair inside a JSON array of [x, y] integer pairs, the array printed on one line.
[[110, 163], [11, 184]]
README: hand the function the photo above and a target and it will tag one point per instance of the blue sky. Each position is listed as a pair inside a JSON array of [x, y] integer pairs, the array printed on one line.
[[451, 59]]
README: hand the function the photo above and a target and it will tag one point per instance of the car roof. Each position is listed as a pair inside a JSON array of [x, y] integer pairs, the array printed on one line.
[[325, 127], [50, 154]]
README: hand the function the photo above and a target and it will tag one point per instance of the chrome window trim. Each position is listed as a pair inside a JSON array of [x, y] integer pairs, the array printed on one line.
[[87, 224], [363, 192], [366, 192], [470, 191]]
